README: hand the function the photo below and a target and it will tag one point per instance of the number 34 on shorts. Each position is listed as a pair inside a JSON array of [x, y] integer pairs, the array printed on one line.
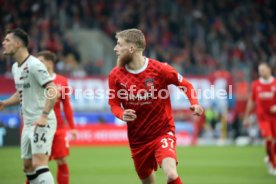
[[40, 134]]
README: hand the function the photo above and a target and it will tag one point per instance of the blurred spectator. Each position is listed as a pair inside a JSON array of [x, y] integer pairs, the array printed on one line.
[[72, 65], [253, 130], [211, 118], [195, 36], [236, 125]]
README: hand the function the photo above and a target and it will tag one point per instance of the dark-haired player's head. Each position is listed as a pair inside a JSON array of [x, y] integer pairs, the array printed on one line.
[[129, 42], [48, 58], [15, 40], [264, 70]]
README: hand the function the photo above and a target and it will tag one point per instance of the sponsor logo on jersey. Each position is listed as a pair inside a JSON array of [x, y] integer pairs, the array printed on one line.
[[266, 95], [24, 85], [139, 96]]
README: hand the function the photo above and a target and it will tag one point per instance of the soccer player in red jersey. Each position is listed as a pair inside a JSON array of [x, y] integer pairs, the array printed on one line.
[[263, 98], [139, 95], [60, 147]]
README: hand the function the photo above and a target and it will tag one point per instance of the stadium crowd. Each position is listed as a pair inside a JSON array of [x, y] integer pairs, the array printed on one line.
[[196, 37]]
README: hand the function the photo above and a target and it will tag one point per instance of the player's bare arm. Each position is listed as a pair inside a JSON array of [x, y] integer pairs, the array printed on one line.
[[13, 100], [52, 95], [68, 111], [249, 107]]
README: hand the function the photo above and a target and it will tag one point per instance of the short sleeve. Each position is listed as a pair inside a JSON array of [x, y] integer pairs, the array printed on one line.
[[40, 73], [172, 76]]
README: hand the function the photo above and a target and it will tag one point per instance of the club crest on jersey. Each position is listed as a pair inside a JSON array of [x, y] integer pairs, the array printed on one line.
[[149, 82]]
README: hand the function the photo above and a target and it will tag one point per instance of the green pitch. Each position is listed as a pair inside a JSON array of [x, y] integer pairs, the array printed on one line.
[[197, 165]]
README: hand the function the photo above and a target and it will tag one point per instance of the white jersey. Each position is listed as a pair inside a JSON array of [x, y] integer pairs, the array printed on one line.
[[30, 78]]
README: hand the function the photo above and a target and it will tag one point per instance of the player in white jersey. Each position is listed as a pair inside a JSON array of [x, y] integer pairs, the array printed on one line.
[[37, 94]]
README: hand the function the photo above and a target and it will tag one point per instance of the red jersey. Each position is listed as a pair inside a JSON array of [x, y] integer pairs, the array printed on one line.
[[63, 100], [264, 95], [146, 92]]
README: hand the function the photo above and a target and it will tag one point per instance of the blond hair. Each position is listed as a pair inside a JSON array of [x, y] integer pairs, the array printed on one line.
[[134, 36]]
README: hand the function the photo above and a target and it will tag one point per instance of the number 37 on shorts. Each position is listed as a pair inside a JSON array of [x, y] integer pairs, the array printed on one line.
[[166, 147], [168, 142], [40, 135]]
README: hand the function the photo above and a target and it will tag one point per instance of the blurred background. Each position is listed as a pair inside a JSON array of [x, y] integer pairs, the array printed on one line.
[[217, 45]]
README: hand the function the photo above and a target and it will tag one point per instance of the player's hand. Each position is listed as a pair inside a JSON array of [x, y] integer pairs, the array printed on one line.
[[41, 122], [2, 105], [273, 109], [197, 110], [129, 115], [73, 133]]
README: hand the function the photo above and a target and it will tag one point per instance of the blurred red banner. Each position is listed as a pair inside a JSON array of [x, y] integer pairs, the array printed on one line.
[[113, 135]]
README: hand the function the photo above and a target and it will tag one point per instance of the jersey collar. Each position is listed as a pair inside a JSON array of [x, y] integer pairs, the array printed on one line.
[[19, 65], [144, 67], [268, 81]]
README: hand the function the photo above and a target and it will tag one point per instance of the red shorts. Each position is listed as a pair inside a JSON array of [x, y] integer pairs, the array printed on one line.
[[60, 146], [148, 156], [267, 126]]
